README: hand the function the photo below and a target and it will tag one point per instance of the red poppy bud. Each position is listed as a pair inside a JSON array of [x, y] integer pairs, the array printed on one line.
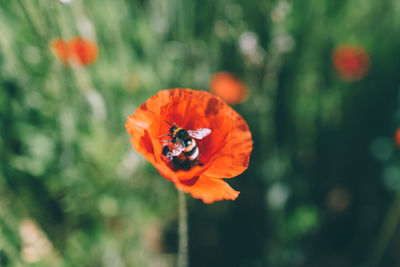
[[60, 49], [83, 52], [397, 137], [352, 62], [229, 88], [77, 50]]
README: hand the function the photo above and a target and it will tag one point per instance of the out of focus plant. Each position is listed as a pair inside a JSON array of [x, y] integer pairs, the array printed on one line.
[[77, 50], [229, 88], [352, 62]]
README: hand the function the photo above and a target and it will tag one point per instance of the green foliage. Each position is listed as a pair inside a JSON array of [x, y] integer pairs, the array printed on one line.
[[323, 172]]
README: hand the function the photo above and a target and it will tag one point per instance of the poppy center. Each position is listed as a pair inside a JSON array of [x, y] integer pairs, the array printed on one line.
[[182, 163]]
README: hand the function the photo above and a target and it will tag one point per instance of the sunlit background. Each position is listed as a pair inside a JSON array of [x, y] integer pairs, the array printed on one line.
[[321, 83]]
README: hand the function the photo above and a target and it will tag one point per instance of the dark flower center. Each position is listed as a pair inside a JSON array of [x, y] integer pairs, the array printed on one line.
[[181, 162]]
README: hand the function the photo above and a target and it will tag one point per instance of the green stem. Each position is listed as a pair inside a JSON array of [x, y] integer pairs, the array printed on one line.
[[183, 232], [31, 24], [389, 226]]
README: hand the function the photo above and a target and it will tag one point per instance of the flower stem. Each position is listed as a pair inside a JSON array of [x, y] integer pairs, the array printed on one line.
[[386, 234], [183, 232]]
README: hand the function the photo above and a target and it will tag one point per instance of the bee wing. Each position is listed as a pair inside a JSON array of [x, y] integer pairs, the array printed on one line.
[[199, 133], [179, 146]]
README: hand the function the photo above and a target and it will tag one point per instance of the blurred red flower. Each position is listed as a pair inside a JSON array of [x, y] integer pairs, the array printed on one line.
[[397, 137], [352, 62], [224, 153], [60, 48], [229, 88], [77, 50]]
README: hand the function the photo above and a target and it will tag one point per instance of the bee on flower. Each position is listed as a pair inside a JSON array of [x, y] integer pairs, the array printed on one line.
[[194, 139], [184, 152]]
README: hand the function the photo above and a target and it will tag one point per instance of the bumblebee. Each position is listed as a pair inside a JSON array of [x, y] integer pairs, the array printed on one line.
[[184, 152]]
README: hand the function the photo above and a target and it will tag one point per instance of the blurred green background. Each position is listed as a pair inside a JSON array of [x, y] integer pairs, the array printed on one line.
[[322, 188]]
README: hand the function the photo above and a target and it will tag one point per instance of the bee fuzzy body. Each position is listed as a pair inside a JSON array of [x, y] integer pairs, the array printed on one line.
[[192, 151], [183, 161], [185, 153]]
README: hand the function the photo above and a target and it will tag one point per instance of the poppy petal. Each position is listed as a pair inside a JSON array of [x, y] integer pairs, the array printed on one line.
[[229, 88], [208, 189], [143, 127], [223, 153], [397, 137], [352, 62], [83, 52], [234, 158], [60, 49], [189, 109], [192, 110]]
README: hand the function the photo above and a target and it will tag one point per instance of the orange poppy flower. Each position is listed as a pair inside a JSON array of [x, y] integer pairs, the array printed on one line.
[[229, 88], [223, 153], [60, 48], [351, 61], [397, 137], [77, 50], [84, 52]]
